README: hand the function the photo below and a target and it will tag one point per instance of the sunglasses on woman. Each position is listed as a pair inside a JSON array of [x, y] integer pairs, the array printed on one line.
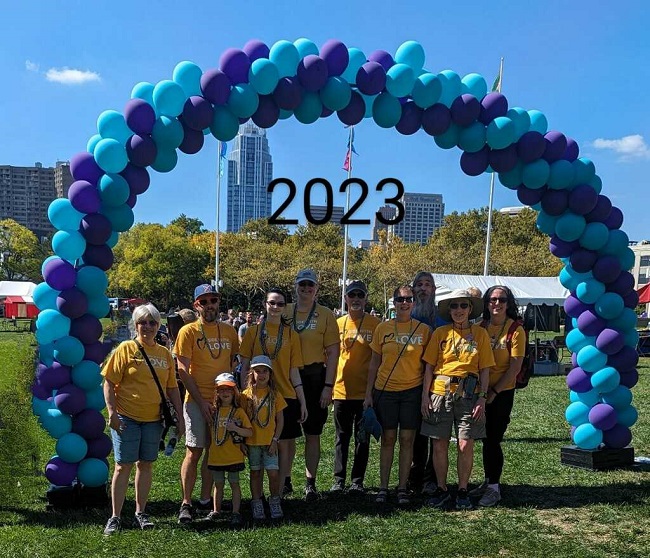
[[403, 299], [501, 299], [276, 303], [356, 294], [457, 305], [150, 323]]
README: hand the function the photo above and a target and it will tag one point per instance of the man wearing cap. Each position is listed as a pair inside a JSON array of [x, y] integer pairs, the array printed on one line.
[[355, 330], [319, 341], [204, 349]]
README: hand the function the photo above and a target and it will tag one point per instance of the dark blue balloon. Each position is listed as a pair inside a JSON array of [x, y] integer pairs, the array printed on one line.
[[465, 110], [531, 146], [601, 211], [556, 145], [354, 112], [411, 119], [561, 248], [503, 160], [288, 93], [530, 196], [582, 260], [582, 199], [436, 119], [554, 202]]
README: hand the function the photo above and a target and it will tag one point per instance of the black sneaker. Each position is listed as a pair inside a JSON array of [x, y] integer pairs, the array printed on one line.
[[311, 494], [287, 489], [185, 514], [355, 488], [205, 506], [439, 499], [213, 516], [338, 486], [142, 521], [236, 520], [113, 526], [462, 500]]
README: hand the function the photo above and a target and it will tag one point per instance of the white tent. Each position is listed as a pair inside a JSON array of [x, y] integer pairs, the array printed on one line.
[[527, 290], [17, 288]]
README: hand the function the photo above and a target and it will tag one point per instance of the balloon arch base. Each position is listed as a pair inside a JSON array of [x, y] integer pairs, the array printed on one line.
[[604, 459], [76, 496]]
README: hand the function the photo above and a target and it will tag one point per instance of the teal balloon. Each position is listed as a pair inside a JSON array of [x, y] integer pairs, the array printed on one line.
[[400, 80], [99, 306], [450, 138], [626, 321], [386, 110], [576, 340], [243, 100], [546, 223], [626, 257], [111, 124], [144, 91], [41, 406], [68, 350], [56, 423], [121, 217], [473, 138], [112, 240], [590, 359], [224, 125], [617, 242], [577, 413], [475, 85], [91, 280], [512, 178], [92, 142], [596, 183], [86, 375], [619, 398], [569, 226], [500, 132], [165, 161], [411, 53], [167, 133], [71, 447], [356, 59], [188, 75], [95, 399], [451, 87], [589, 290], [585, 170], [305, 47], [521, 120], [587, 436], [263, 76], [595, 236], [45, 352], [570, 278], [309, 109], [285, 114], [538, 122], [68, 245], [632, 338], [627, 416], [369, 100], [63, 216], [336, 93], [536, 174], [562, 175], [168, 98], [45, 296], [427, 89], [605, 380], [113, 190], [92, 472], [609, 306], [285, 56], [589, 398], [51, 325], [110, 155]]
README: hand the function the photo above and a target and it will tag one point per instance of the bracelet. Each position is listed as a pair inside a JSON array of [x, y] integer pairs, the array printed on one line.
[[297, 386], [329, 385], [482, 394], [276, 439]]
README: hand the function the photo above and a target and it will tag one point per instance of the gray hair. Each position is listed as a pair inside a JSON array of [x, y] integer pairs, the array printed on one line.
[[145, 311]]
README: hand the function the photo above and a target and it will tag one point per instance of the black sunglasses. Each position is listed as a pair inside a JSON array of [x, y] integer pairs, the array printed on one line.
[[306, 283], [206, 301], [456, 305], [357, 294], [403, 299], [150, 323], [501, 299], [276, 303]]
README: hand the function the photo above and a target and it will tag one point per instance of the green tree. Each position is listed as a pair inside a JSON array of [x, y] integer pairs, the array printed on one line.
[[189, 225], [21, 254]]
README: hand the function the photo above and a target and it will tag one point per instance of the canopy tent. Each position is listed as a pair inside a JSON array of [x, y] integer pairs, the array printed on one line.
[[644, 294], [19, 307], [17, 288]]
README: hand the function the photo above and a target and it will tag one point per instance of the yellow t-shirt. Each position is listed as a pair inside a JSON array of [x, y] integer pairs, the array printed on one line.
[[320, 332], [388, 340], [261, 415], [451, 354], [354, 357], [228, 452], [289, 355], [209, 354], [136, 393], [498, 335]]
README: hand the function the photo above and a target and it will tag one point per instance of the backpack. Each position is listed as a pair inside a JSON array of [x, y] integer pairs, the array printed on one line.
[[527, 364]]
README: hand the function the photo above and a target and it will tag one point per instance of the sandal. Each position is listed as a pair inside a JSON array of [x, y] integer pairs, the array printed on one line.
[[382, 496], [403, 496]]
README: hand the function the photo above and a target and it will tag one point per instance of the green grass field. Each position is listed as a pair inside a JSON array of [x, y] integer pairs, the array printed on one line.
[[548, 509]]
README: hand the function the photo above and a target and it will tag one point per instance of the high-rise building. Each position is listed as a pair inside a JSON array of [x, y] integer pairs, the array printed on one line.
[[641, 269], [423, 214], [387, 212], [62, 178], [250, 169], [318, 213]]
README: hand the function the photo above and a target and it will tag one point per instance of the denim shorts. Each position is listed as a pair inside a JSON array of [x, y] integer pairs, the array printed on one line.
[[139, 441], [258, 458]]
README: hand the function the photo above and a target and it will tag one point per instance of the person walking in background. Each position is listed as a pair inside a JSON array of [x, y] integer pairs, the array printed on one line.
[[247, 323]]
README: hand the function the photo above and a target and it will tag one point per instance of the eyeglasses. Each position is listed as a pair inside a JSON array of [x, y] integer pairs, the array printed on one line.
[[276, 303], [206, 301], [150, 323], [457, 305], [501, 299], [356, 294], [306, 284], [403, 299]]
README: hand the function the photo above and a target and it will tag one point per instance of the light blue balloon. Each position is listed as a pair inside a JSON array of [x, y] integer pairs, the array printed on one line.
[[285, 114], [605, 380], [451, 87], [167, 133], [113, 190], [40, 406], [263, 76], [284, 55], [95, 399], [577, 413], [165, 161], [99, 306], [562, 175], [500, 132], [68, 245], [168, 98], [619, 398], [512, 178], [112, 240], [631, 338], [243, 100], [86, 375], [589, 290], [92, 472], [576, 340], [309, 109], [521, 120], [545, 222], [427, 89], [626, 321], [188, 75], [626, 257], [369, 100], [45, 352], [45, 296], [63, 216], [595, 236], [585, 170], [411, 54], [224, 125], [535, 174], [144, 91], [609, 306], [590, 359], [71, 447], [569, 226], [570, 278], [68, 350], [538, 122], [627, 416], [92, 142], [587, 436], [473, 138], [111, 124], [121, 217], [110, 155], [305, 47], [336, 93], [91, 280], [356, 59], [450, 138], [400, 80], [56, 423], [589, 398], [474, 84]]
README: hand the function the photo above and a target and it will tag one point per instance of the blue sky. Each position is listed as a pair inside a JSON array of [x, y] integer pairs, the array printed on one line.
[[584, 64]]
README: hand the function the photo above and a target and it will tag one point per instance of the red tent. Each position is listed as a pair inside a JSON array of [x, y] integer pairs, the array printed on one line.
[[18, 307], [644, 294]]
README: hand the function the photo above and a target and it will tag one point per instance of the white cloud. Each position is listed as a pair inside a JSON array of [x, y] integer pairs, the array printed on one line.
[[628, 147], [70, 76], [31, 66]]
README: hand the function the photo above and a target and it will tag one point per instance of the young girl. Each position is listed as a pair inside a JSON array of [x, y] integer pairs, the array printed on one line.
[[264, 406], [230, 427]]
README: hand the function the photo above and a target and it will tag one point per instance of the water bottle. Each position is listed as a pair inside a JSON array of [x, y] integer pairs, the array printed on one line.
[[171, 445]]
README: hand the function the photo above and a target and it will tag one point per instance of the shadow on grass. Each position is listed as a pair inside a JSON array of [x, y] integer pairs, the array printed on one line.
[[539, 440]]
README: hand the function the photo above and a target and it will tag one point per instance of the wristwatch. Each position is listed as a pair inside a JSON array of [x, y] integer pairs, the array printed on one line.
[[482, 394], [276, 439]]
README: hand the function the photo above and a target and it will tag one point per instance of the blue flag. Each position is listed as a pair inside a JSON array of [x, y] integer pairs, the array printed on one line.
[[222, 157]]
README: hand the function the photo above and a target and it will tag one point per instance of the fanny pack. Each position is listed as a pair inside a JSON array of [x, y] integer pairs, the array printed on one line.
[[459, 386]]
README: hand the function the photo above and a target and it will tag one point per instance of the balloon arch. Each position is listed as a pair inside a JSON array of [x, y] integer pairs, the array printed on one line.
[[297, 79]]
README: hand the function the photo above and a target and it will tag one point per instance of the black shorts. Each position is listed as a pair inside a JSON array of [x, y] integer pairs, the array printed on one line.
[[233, 468], [312, 377], [291, 415], [398, 408]]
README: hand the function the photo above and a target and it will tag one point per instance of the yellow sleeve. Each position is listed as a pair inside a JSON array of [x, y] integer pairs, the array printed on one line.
[[485, 354], [171, 376], [431, 351], [331, 336], [184, 342], [376, 344], [234, 338], [247, 343], [518, 347], [280, 403], [115, 365], [296, 351]]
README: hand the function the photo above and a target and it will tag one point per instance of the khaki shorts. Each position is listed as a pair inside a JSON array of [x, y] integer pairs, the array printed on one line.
[[197, 431], [448, 411]]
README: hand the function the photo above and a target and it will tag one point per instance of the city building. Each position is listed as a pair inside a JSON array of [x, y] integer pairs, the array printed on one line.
[[250, 169], [365, 244], [641, 269], [512, 211], [318, 213], [423, 215], [62, 179], [387, 212]]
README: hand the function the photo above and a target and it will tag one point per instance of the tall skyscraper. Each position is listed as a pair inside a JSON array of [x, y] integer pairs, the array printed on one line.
[[387, 212], [423, 214], [250, 169], [62, 178]]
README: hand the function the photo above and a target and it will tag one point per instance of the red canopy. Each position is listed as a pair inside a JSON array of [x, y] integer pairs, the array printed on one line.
[[644, 294]]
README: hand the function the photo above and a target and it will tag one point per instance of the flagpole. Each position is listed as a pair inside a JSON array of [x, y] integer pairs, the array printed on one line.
[[216, 236], [345, 227], [486, 262]]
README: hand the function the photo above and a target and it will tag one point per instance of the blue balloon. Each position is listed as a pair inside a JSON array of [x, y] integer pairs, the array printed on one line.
[[473, 138], [71, 447], [263, 76], [309, 109], [41, 406], [411, 54], [167, 133], [589, 398], [450, 138], [69, 245], [585, 170], [590, 359], [595, 236], [165, 161], [587, 436], [632, 337], [475, 85], [92, 143], [535, 174], [95, 399], [356, 59], [92, 280], [168, 98], [121, 217], [521, 120], [188, 75], [111, 124], [426, 90], [569, 227], [305, 47], [144, 91], [56, 423], [63, 216], [224, 125], [112, 240], [285, 56], [619, 398], [336, 94], [243, 100], [626, 321], [513, 178], [562, 175], [451, 87], [99, 306], [68, 350], [386, 110], [627, 416], [626, 257], [113, 190], [576, 340], [538, 122], [86, 375], [609, 306], [589, 290], [605, 380], [617, 242], [570, 278], [92, 472], [500, 132], [546, 223], [45, 297], [400, 80], [110, 155], [577, 413]]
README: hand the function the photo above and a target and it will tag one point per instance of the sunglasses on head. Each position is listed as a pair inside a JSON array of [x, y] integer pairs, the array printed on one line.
[[501, 299], [277, 303], [403, 299], [150, 323], [206, 301], [456, 305], [356, 294], [306, 283]]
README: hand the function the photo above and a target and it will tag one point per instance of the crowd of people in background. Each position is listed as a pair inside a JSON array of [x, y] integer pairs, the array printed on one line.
[[252, 384]]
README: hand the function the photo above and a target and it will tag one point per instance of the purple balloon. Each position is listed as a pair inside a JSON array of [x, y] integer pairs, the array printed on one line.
[[140, 116], [59, 274], [336, 56], [215, 86], [631, 299], [615, 218], [325, 112], [84, 167], [602, 416], [623, 284], [590, 323], [141, 150], [99, 256], [607, 269], [475, 164], [530, 196], [578, 380], [572, 150], [267, 112], [493, 105], [131, 200], [288, 93], [601, 211], [630, 378], [617, 437], [84, 197], [582, 259], [555, 202], [255, 49], [381, 57], [89, 424], [39, 391], [371, 78], [86, 328], [436, 119], [95, 228], [610, 341], [574, 359], [235, 64], [582, 199], [72, 303], [137, 177], [531, 146], [503, 160], [556, 145], [192, 140], [54, 377], [354, 112], [411, 119], [561, 248], [96, 351], [625, 359], [70, 399], [573, 306], [99, 447], [312, 72], [59, 472], [465, 110], [198, 113]]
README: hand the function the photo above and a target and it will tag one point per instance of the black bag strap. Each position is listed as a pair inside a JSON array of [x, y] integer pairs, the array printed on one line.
[[381, 391], [153, 372]]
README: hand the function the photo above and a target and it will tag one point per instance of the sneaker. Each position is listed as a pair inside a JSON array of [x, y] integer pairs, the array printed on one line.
[[462, 500], [490, 498], [382, 496], [226, 505], [213, 516], [205, 506], [275, 507], [403, 497], [429, 488], [439, 499], [258, 510], [311, 494], [479, 490], [236, 520], [355, 488], [142, 521], [287, 488], [113, 526], [338, 486], [185, 514]]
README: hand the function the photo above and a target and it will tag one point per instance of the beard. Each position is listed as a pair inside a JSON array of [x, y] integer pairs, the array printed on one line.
[[425, 311]]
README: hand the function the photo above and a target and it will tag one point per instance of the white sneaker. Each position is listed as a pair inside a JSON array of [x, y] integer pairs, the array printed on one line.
[[258, 510], [490, 498]]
